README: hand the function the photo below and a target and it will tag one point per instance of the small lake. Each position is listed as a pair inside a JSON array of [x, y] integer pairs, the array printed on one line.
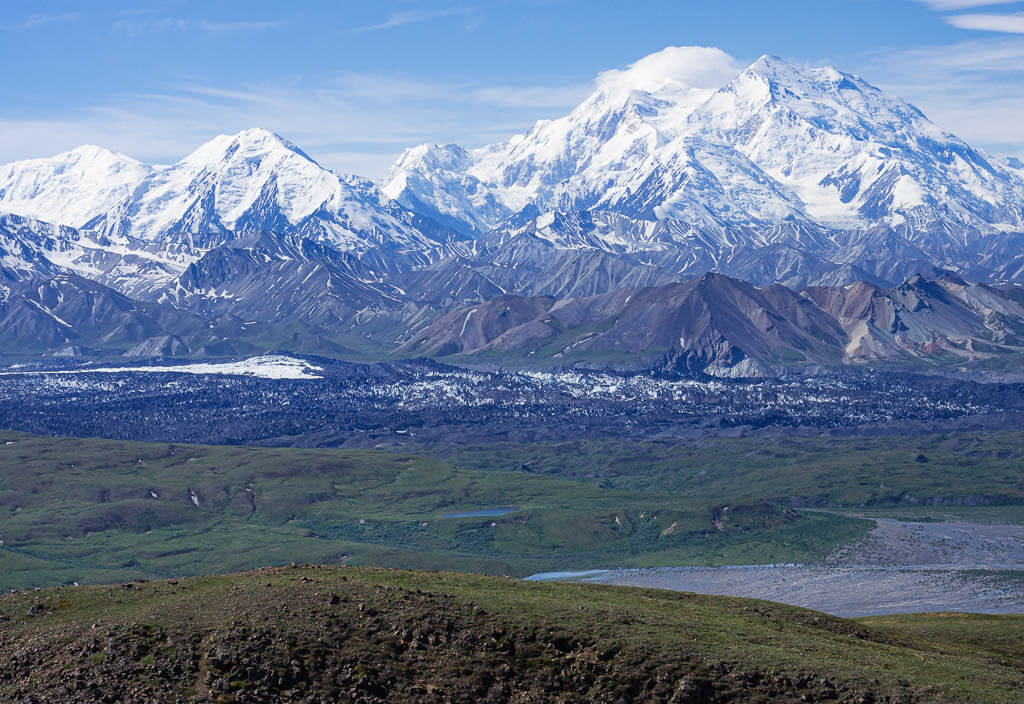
[[483, 513]]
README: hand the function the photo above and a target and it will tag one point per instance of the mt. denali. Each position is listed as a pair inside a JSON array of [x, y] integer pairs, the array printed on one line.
[[777, 142]]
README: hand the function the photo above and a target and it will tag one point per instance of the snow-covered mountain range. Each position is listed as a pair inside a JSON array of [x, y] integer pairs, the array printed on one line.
[[137, 227], [775, 173]]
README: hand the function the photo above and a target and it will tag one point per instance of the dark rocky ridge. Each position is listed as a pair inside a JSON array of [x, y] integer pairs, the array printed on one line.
[[328, 634]]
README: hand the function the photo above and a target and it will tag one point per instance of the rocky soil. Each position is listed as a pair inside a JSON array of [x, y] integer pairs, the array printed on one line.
[[348, 635]]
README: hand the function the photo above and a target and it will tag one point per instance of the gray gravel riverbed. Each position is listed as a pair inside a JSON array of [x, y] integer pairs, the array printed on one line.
[[899, 567]]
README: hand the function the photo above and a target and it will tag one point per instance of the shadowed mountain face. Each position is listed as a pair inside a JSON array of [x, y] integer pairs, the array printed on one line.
[[723, 327], [585, 309], [68, 314]]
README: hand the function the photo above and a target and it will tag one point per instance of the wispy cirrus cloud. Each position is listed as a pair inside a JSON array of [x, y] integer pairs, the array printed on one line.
[[137, 25], [207, 26], [962, 58], [962, 87], [407, 17], [1005, 23], [967, 87], [42, 20], [351, 122]]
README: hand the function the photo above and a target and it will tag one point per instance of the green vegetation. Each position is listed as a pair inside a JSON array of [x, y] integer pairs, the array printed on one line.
[[345, 634], [93, 511], [98, 510], [996, 638], [849, 472]]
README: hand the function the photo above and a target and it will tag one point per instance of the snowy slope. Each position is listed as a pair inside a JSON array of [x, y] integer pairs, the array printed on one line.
[[601, 151], [854, 155], [70, 188], [233, 185], [256, 181], [268, 366], [142, 226], [31, 248]]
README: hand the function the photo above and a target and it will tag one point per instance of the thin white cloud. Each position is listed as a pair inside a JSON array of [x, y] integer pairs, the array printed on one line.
[[534, 96], [158, 24], [43, 19], [948, 5], [1008, 24], [407, 17], [356, 123], [238, 26], [981, 56]]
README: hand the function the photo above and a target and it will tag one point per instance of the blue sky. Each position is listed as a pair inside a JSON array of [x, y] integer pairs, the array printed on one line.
[[355, 82]]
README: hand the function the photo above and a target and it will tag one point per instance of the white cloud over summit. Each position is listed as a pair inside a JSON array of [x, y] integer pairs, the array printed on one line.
[[691, 66]]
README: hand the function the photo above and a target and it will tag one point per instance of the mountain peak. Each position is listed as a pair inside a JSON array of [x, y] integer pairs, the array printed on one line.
[[249, 143], [768, 64], [804, 80], [96, 152]]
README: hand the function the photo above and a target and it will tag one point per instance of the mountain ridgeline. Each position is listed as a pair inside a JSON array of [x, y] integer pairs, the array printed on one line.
[[841, 224]]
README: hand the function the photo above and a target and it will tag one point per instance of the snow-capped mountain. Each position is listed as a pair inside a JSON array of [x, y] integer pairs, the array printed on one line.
[[141, 226], [855, 156], [70, 188], [254, 181], [776, 143], [673, 168]]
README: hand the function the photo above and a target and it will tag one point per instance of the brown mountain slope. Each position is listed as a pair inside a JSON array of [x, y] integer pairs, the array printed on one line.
[[720, 326]]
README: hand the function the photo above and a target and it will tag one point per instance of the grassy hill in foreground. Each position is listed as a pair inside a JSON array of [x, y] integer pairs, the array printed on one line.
[[315, 634]]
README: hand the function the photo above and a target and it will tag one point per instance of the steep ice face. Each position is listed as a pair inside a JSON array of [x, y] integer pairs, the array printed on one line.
[[853, 155], [602, 152]]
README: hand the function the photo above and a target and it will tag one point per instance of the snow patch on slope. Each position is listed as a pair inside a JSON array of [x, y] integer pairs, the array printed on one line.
[[263, 367]]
